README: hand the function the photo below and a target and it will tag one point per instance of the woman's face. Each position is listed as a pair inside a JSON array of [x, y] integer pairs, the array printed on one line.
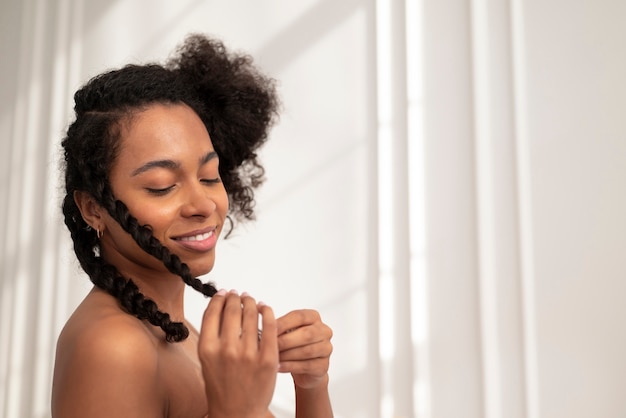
[[167, 174]]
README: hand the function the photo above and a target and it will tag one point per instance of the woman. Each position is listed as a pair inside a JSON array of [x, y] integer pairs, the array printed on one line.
[[159, 160]]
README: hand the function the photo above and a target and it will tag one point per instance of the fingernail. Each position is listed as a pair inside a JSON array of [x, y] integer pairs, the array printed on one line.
[[233, 291], [244, 294], [260, 304], [221, 292]]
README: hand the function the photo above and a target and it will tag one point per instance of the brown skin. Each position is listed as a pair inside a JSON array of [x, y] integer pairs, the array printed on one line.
[[110, 363], [135, 371]]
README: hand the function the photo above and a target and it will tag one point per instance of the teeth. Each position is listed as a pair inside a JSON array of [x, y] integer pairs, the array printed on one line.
[[199, 237]]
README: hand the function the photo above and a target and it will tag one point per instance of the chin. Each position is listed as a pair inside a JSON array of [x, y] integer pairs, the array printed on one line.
[[198, 264], [200, 269]]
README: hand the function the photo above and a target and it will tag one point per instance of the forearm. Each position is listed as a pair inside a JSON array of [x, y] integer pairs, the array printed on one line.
[[313, 402]]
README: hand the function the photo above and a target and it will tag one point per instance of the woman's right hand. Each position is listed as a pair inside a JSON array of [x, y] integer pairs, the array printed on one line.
[[238, 366]]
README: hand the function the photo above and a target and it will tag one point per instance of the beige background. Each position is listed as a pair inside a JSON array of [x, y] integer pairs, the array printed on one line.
[[446, 186]]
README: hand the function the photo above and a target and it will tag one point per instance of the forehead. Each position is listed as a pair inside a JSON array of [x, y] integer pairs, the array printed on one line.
[[160, 131]]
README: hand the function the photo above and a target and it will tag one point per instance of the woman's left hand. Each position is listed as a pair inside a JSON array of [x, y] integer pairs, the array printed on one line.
[[305, 348]]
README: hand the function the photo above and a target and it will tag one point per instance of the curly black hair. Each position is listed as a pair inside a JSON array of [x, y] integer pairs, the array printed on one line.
[[233, 99]]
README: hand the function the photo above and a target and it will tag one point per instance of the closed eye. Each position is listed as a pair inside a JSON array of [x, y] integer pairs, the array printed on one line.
[[159, 192], [211, 181]]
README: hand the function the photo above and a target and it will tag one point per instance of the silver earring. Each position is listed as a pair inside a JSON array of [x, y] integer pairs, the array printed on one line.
[[98, 233]]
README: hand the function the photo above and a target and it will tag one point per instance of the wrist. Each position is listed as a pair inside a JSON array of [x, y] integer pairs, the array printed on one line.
[[309, 385], [314, 401]]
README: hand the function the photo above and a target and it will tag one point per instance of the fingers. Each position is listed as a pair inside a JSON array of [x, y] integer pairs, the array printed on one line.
[[308, 356], [250, 320], [297, 319], [303, 338], [239, 371], [301, 328], [305, 348], [316, 350], [268, 341], [233, 317], [312, 367], [211, 320]]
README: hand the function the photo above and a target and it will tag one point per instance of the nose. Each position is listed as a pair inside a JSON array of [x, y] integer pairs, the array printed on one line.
[[199, 201]]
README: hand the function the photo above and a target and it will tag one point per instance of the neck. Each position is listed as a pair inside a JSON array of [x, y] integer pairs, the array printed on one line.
[[154, 281], [166, 290]]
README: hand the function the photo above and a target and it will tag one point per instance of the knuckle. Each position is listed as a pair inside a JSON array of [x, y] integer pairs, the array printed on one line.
[[308, 351], [204, 351], [309, 315], [232, 308], [329, 332], [268, 363], [248, 357], [207, 352], [300, 315], [308, 367], [229, 353], [308, 333], [248, 300], [315, 315]]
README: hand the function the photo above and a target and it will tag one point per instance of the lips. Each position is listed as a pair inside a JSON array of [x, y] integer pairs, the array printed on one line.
[[203, 240], [199, 237]]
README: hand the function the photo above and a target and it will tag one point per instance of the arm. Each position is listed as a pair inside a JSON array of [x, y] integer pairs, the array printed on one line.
[[305, 348], [313, 402]]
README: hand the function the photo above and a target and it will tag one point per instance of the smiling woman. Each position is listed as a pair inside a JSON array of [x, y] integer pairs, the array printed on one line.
[[161, 180], [157, 161]]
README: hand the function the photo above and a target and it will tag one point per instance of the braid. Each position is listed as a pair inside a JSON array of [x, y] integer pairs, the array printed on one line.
[[147, 242], [236, 103], [130, 297], [108, 278]]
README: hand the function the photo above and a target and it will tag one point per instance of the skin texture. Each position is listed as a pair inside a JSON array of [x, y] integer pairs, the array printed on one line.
[[167, 175]]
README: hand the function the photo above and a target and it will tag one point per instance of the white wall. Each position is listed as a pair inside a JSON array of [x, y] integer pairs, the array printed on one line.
[[312, 235], [516, 150], [576, 136]]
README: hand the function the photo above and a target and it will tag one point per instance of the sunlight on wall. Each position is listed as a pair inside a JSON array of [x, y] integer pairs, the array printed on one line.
[[402, 281], [417, 197]]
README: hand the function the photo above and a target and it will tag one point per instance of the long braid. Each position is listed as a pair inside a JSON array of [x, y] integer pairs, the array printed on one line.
[[107, 277], [87, 246], [132, 299], [237, 105], [144, 238]]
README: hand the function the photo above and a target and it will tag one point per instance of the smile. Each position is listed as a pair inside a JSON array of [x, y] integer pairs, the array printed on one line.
[[199, 237], [198, 241]]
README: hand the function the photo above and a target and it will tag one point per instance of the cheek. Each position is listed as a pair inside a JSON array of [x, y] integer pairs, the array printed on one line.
[[223, 204], [155, 216]]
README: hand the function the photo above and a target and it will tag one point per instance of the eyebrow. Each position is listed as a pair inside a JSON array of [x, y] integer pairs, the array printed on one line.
[[208, 157], [171, 164]]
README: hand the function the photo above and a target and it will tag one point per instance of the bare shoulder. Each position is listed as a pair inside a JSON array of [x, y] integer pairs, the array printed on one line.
[[106, 363], [100, 328]]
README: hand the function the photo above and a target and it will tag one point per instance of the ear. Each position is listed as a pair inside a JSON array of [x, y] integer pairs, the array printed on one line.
[[90, 210]]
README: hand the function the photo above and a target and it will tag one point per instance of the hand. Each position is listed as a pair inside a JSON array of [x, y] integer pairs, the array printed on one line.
[[305, 348], [238, 366]]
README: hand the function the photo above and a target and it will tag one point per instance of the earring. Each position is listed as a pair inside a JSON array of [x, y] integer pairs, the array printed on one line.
[[98, 233]]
